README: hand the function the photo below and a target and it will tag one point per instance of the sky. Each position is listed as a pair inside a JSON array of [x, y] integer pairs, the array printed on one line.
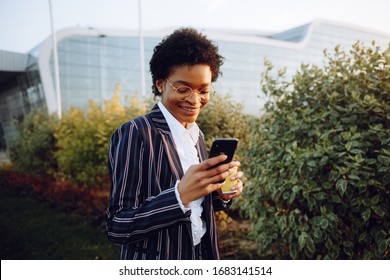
[[26, 23]]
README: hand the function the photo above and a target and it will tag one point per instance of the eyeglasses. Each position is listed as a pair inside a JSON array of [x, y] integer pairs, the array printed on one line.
[[185, 92]]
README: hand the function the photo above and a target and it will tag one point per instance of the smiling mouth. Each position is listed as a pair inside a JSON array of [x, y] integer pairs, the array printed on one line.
[[189, 109]]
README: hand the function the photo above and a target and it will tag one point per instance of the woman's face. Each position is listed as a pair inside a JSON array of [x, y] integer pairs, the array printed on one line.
[[186, 108]]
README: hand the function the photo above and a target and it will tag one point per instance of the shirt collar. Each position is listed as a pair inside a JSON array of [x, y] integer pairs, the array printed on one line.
[[177, 129]]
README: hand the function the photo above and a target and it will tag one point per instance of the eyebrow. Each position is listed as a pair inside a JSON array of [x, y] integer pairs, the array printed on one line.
[[191, 85]]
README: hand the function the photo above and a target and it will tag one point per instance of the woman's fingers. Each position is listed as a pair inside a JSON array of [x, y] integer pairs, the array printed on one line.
[[206, 177], [238, 175]]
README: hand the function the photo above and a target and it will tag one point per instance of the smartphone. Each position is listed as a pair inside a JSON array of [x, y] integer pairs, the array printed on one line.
[[223, 146]]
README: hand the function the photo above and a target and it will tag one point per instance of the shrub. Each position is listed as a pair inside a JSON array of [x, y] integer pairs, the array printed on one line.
[[83, 138], [33, 150], [320, 169]]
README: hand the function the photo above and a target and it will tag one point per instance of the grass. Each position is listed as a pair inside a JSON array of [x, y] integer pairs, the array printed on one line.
[[31, 229]]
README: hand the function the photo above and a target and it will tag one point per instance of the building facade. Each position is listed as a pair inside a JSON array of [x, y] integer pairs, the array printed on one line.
[[92, 62]]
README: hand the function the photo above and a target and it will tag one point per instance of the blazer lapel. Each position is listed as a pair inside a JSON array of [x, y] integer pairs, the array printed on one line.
[[167, 139], [201, 148]]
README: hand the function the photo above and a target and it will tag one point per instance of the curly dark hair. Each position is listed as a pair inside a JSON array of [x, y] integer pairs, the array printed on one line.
[[185, 46]]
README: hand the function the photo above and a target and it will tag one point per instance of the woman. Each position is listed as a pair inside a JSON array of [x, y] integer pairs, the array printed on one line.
[[164, 190]]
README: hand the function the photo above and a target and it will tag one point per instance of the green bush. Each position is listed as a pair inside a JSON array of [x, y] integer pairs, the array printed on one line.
[[83, 139], [320, 160], [33, 151]]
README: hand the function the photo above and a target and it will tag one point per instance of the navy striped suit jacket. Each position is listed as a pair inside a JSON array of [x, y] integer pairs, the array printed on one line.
[[144, 216]]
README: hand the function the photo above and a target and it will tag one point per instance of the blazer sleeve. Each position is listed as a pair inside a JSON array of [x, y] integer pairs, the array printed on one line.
[[219, 204], [130, 216]]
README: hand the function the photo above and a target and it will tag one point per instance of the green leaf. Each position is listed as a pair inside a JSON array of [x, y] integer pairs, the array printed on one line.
[[384, 160], [365, 201], [302, 240], [353, 177], [356, 151], [292, 197], [296, 189], [324, 223], [310, 248], [366, 214], [317, 234], [386, 179], [375, 199], [335, 199], [341, 185], [348, 244], [348, 248], [293, 252], [320, 196], [380, 235], [329, 244], [324, 160], [382, 246], [378, 210], [359, 158], [362, 237]]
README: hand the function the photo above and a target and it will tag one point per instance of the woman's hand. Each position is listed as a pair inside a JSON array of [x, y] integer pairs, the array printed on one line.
[[202, 179]]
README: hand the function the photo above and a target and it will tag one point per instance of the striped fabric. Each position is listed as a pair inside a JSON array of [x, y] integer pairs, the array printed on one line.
[[144, 216]]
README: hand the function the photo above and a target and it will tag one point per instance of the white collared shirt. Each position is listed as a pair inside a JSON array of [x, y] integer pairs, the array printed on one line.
[[185, 140]]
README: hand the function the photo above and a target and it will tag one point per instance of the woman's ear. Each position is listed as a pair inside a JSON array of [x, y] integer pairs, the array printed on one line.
[[160, 86]]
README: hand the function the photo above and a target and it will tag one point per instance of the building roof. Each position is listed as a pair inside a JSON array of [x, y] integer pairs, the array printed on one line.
[[296, 34], [11, 64], [14, 62]]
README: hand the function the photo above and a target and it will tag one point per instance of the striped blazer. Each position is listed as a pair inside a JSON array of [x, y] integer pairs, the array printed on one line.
[[144, 216]]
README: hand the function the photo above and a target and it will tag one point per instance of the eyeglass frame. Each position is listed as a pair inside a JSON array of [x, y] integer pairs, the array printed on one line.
[[200, 95]]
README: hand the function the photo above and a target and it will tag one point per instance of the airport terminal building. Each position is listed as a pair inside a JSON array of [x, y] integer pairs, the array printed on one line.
[[93, 61]]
